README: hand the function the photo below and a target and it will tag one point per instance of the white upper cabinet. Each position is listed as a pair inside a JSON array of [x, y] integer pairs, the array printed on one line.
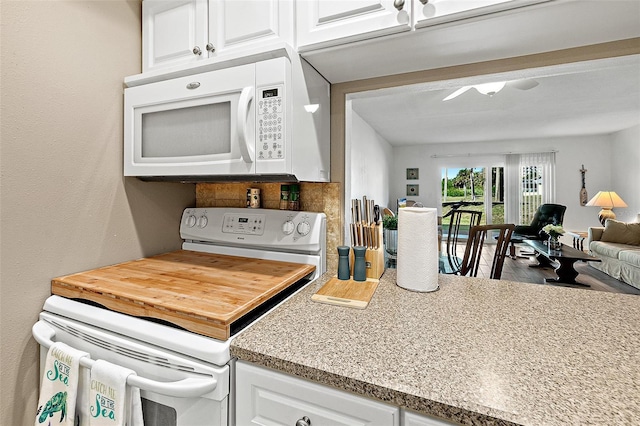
[[433, 12], [323, 23], [238, 26], [183, 32], [173, 32]]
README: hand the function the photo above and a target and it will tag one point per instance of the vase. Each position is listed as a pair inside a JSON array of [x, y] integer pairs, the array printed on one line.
[[391, 246], [554, 243]]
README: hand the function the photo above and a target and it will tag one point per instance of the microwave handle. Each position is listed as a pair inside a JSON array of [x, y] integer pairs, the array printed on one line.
[[247, 150], [185, 388]]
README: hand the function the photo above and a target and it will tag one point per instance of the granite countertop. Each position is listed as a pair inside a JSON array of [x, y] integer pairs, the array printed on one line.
[[476, 351]]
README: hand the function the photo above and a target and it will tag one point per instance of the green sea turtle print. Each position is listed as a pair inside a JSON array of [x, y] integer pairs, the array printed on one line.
[[58, 402]]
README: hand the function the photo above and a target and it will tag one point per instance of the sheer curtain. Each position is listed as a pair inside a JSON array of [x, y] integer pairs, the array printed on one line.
[[533, 177]]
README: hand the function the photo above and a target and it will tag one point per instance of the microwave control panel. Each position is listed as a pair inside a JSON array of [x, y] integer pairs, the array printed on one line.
[[270, 106]]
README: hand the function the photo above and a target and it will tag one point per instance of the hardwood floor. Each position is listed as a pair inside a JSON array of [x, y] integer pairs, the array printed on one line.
[[518, 270]]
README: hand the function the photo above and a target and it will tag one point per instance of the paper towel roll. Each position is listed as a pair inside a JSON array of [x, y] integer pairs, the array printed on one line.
[[417, 263]]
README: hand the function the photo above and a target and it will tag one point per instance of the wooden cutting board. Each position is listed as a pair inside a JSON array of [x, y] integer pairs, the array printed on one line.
[[202, 292], [354, 294]]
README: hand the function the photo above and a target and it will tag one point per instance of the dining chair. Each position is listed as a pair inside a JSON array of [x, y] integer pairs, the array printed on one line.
[[473, 250], [449, 261]]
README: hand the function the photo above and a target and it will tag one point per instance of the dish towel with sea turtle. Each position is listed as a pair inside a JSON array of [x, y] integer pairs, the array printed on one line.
[[111, 401], [59, 388]]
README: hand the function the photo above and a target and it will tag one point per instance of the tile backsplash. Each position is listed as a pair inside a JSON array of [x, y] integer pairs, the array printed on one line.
[[314, 197]]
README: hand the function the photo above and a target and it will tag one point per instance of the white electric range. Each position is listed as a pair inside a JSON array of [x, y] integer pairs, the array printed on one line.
[[185, 377]]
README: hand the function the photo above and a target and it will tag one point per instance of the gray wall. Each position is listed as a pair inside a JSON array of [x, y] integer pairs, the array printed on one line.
[[625, 172], [65, 206]]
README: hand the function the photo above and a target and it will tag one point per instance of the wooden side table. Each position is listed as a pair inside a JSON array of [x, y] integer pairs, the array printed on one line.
[[578, 239]]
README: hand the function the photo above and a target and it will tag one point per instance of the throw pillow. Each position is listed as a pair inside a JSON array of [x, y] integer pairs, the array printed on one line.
[[621, 232]]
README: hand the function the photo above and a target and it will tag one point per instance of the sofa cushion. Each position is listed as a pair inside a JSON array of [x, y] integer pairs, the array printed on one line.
[[607, 249], [630, 256], [621, 232]]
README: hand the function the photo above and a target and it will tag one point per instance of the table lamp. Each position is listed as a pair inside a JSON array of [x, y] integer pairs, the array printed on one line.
[[607, 200]]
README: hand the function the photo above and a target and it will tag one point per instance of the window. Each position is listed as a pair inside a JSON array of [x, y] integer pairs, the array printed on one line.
[[473, 188]]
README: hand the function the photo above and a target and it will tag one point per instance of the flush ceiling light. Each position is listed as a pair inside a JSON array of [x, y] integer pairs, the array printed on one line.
[[311, 108], [491, 89], [488, 89], [607, 200]]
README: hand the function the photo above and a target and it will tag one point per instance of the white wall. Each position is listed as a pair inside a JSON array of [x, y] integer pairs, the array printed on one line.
[[369, 159], [625, 172], [592, 151], [66, 206]]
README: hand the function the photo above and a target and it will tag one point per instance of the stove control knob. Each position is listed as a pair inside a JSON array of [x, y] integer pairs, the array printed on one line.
[[288, 227], [191, 221], [304, 228], [202, 221]]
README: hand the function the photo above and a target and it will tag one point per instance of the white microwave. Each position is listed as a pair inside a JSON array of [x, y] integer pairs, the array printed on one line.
[[263, 121]]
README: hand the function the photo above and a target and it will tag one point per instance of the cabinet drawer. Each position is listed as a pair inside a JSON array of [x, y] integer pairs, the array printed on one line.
[[266, 397]]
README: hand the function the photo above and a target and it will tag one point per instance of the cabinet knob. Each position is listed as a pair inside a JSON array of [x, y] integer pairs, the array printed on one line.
[[197, 51], [304, 421], [424, 2], [398, 4], [210, 47]]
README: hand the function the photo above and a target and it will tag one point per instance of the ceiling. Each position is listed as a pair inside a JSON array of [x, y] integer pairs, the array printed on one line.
[[597, 97]]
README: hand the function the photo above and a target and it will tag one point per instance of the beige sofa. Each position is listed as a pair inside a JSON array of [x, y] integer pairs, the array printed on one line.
[[618, 246]]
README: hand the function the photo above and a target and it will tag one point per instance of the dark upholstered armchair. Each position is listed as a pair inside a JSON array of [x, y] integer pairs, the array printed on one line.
[[545, 215]]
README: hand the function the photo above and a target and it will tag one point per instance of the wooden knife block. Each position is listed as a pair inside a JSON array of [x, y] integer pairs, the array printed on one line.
[[373, 258]]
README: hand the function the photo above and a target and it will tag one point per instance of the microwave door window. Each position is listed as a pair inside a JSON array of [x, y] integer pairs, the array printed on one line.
[[202, 131]]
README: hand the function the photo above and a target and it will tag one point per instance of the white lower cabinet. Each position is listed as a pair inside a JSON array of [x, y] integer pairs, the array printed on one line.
[[269, 398], [413, 419]]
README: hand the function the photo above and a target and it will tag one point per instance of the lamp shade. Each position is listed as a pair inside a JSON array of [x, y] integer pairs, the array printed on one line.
[[607, 200]]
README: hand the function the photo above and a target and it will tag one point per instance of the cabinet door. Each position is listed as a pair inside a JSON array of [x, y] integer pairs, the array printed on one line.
[[235, 26], [439, 11], [267, 397], [413, 419], [171, 30], [323, 23]]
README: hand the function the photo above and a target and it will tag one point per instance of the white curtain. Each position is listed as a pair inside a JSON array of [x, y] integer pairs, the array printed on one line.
[[533, 177], [512, 186]]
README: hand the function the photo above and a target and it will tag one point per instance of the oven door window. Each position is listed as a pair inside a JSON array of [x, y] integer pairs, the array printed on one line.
[[160, 410], [154, 413]]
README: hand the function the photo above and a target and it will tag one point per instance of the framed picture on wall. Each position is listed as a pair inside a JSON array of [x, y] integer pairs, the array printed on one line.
[[413, 190], [412, 174]]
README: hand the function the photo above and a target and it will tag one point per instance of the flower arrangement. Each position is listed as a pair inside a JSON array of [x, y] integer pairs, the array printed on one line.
[[554, 230]]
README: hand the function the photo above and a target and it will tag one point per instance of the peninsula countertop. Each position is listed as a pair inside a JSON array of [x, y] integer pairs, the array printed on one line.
[[475, 351]]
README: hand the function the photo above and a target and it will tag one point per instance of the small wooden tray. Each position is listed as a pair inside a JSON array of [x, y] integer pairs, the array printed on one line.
[[350, 293]]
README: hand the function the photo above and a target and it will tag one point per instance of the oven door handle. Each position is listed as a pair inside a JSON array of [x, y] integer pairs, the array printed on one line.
[[185, 388]]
